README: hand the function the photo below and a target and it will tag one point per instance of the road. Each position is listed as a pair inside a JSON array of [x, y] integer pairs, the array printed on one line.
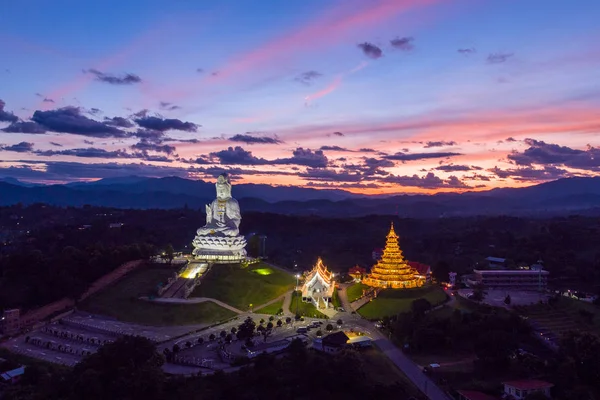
[[405, 364]]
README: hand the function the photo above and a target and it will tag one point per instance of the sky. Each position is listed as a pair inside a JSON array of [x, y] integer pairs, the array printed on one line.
[[371, 96]]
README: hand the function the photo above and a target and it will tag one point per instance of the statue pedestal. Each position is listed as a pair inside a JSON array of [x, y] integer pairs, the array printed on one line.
[[219, 249]]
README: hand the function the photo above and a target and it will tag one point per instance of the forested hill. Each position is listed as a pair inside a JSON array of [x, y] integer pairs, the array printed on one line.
[[564, 196]]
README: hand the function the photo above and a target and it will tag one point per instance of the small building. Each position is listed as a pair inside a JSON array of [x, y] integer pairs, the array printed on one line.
[[377, 254], [474, 395], [496, 262], [423, 270], [274, 347], [357, 273], [520, 389], [516, 279], [10, 324], [332, 343], [13, 375], [318, 286]]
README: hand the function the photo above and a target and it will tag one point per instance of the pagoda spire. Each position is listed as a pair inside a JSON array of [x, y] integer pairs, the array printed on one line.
[[392, 233]]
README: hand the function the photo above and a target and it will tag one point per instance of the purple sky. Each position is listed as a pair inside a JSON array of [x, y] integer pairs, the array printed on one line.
[[368, 95]]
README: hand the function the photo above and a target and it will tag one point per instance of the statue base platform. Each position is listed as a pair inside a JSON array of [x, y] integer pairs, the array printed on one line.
[[219, 249]]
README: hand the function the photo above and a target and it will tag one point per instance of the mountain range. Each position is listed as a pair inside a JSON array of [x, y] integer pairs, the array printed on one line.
[[560, 197]]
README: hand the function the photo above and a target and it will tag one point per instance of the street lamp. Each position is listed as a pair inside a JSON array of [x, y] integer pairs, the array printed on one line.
[[297, 300]]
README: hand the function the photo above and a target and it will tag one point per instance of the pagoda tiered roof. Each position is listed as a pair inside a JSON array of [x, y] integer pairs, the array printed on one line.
[[392, 270]]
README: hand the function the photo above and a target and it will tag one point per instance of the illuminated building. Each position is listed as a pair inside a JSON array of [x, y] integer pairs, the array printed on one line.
[[318, 286], [392, 270], [357, 273]]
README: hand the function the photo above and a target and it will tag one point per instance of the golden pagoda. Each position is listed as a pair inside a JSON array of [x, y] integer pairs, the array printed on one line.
[[392, 270]]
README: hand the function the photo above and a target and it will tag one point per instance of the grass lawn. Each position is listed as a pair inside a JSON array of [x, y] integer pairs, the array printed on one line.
[[271, 309], [239, 287], [335, 300], [355, 291], [394, 301], [121, 301], [304, 309], [379, 369]]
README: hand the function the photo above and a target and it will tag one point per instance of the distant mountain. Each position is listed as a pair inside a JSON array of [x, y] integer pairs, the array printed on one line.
[[564, 196]]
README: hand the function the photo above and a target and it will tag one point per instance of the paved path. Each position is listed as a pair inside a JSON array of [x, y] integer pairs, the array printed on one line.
[[268, 303], [174, 288], [405, 364], [287, 302], [195, 300]]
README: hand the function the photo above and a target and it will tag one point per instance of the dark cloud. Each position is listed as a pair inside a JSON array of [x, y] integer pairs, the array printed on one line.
[[531, 174], [476, 177], [22, 147], [237, 155], [454, 168], [198, 160], [429, 181], [88, 142], [168, 106], [25, 127], [160, 124], [215, 171], [94, 111], [127, 79], [149, 135], [343, 185], [63, 171], [47, 100], [56, 144], [119, 122], [199, 70], [145, 145], [90, 152], [420, 156], [6, 116], [330, 175], [70, 120], [141, 114], [542, 153], [366, 150], [403, 43], [168, 139], [498, 58], [306, 78], [250, 139], [510, 139], [300, 156], [467, 52], [305, 157], [334, 148], [338, 133], [378, 163], [371, 50], [440, 143]]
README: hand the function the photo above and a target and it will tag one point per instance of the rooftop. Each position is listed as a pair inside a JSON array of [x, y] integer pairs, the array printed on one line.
[[335, 339], [496, 259], [528, 384], [474, 395], [510, 272]]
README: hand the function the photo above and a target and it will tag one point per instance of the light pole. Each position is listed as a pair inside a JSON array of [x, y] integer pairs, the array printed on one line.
[[297, 300]]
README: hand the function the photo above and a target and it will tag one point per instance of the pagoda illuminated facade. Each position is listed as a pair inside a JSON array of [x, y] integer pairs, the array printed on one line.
[[392, 270]]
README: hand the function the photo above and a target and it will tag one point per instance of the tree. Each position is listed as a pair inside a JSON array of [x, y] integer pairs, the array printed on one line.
[[280, 311], [288, 320], [233, 330], [420, 306], [176, 348], [169, 253], [340, 322], [200, 340], [271, 318], [279, 323], [329, 328], [536, 396], [228, 338], [212, 337], [188, 344], [507, 300], [246, 329], [478, 293], [583, 349], [319, 333], [262, 321], [223, 333], [440, 271]]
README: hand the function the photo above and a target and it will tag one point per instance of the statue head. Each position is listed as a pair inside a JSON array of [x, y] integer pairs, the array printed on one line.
[[223, 187]]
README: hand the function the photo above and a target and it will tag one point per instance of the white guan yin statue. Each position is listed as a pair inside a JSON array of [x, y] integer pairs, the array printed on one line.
[[221, 235]]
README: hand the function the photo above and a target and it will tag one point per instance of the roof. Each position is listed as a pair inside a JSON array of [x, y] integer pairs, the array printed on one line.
[[475, 395], [8, 375], [496, 259], [528, 384], [357, 270], [510, 272], [322, 271], [359, 339], [422, 269], [335, 339]]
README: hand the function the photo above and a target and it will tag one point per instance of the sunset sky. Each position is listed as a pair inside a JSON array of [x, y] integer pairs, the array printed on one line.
[[373, 96]]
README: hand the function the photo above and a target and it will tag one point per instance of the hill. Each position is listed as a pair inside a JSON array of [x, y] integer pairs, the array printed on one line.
[[569, 195]]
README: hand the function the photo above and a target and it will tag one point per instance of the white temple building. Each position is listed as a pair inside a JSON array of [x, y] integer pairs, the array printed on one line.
[[319, 286]]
